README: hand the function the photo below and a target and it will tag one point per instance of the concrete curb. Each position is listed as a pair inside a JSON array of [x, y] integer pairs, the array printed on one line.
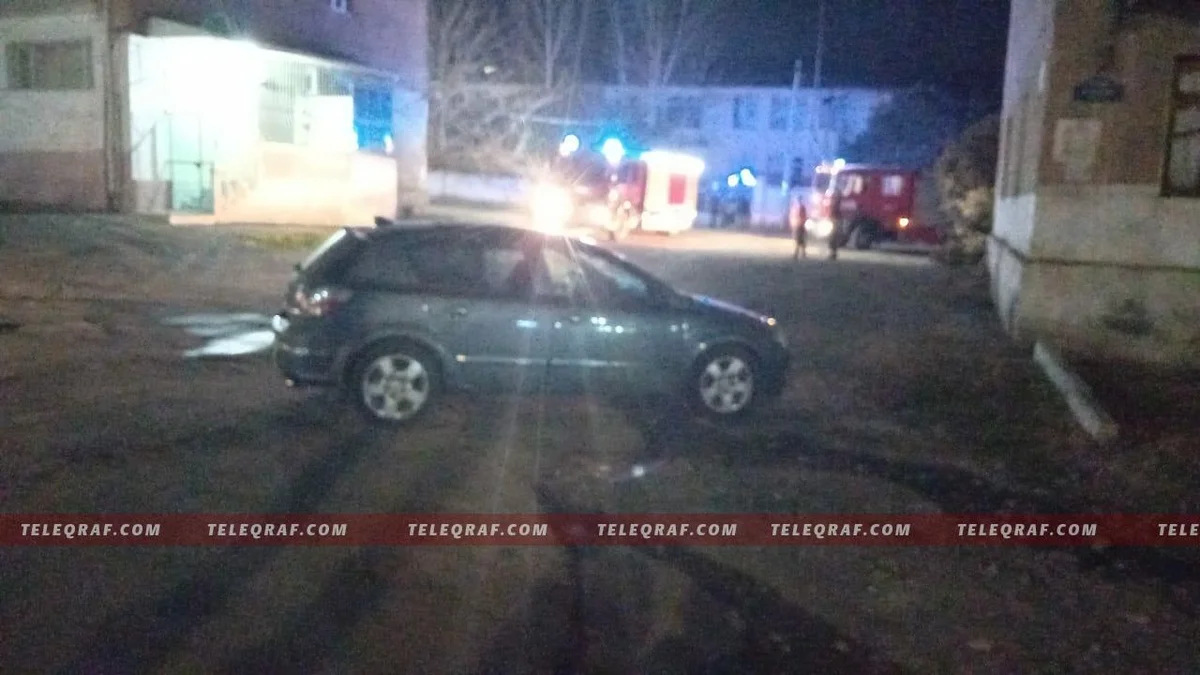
[[1088, 412]]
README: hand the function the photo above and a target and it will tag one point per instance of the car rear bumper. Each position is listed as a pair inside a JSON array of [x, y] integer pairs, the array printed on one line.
[[299, 357]]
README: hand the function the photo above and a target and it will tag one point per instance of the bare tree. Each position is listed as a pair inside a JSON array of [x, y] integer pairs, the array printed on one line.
[[555, 32], [481, 100], [658, 43]]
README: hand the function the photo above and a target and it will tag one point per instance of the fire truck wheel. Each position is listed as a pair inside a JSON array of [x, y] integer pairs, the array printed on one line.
[[862, 235]]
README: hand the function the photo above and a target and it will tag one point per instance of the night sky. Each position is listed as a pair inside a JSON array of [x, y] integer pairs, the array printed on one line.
[[959, 44]]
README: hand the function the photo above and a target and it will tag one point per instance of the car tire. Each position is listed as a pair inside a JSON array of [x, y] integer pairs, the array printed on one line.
[[395, 383], [723, 385]]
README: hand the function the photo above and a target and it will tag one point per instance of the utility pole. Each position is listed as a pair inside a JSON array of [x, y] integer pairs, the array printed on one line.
[[814, 108], [793, 122], [820, 44]]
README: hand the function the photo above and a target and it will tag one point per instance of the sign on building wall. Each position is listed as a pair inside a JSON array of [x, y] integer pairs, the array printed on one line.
[[1075, 144], [1099, 89]]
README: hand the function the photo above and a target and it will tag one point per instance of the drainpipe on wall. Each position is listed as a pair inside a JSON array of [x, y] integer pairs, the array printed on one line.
[[110, 191]]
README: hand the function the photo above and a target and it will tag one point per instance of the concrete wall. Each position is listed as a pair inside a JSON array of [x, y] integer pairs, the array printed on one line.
[[52, 142], [303, 186], [1085, 251], [479, 188]]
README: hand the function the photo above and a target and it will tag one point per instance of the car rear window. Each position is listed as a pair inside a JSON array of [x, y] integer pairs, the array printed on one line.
[[324, 262]]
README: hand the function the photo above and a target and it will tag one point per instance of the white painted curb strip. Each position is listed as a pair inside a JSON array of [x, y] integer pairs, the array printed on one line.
[[1079, 396]]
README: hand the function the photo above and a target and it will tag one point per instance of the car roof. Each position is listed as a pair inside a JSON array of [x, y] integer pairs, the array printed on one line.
[[495, 232]]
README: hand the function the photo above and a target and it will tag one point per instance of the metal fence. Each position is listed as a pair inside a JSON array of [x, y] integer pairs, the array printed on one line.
[[291, 83]]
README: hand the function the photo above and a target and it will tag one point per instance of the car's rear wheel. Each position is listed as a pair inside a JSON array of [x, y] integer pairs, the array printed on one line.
[[395, 383], [724, 383]]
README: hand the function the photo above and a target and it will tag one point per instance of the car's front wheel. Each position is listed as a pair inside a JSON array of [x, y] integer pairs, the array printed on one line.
[[724, 383], [395, 383]]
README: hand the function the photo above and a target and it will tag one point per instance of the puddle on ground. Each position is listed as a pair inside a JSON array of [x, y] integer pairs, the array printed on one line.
[[227, 334]]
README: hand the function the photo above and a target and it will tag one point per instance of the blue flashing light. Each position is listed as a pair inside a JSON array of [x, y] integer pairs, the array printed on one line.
[[569, 146], [613, 150]]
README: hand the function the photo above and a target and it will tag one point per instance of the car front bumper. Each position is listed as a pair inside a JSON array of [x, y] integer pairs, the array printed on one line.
[[775, 373]]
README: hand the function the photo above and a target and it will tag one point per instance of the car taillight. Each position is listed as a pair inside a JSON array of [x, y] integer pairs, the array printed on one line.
[[320, 301]]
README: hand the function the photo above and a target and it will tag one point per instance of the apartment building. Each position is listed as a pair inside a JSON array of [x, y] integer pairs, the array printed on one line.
[[767, 130], [1095, 247]]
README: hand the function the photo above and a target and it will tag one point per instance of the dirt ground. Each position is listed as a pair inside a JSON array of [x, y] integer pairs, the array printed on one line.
[[905, 398]]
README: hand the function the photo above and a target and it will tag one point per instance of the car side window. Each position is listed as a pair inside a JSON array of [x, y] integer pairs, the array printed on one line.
[[418, 264], [508, 273], [609, 284], [383, 263], [559, 279], [449, 266]]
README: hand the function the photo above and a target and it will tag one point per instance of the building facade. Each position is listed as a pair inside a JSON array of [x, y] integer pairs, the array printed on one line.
[[1095, 245], [776, 135], [306, 111], [768, 130]]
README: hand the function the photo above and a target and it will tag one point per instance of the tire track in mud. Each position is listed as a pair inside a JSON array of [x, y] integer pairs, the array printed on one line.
[[359, 586], [730, 622], [957, 490], [138, 638]]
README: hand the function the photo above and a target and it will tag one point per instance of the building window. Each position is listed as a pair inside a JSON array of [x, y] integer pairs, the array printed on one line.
[[340, 6], [800, 117], [1182, 176], [745, 112], [780, 111], [893, 186], [773, 173], [684, 112], [50, 66]]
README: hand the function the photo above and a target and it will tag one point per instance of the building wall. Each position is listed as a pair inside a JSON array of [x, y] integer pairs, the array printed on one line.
[[813, 125], [52, 142], [383, 34], [196, 143], [1085, 250], [388, 35]]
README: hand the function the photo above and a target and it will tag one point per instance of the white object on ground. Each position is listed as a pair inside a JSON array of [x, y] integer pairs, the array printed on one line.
[[1088, 412]]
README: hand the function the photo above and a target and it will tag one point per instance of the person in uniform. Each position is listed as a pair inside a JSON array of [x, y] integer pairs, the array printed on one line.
[[799, 231]]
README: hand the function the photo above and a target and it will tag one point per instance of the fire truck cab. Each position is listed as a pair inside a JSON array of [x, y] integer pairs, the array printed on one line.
[[861, 205]]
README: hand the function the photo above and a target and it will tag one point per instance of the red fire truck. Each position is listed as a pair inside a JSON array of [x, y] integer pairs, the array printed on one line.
[[656, 192], [862, 205]]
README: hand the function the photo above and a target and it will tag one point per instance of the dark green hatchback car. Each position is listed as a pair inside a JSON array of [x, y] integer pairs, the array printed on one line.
[[397, 315]]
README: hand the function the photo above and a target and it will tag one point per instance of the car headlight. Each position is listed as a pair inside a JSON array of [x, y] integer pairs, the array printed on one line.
[[552, 207]]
